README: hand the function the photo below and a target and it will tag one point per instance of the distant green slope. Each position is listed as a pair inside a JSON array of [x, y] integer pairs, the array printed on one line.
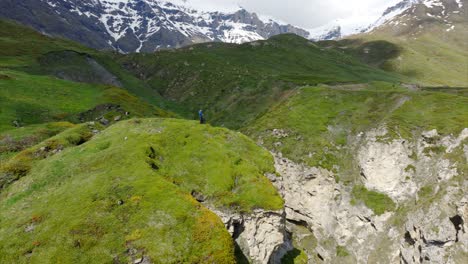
[[31, 94], [34, 99], [235, 83], [125, 194], [433, 57]]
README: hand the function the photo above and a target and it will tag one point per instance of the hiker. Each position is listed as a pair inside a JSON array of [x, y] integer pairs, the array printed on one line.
[[202, 119]]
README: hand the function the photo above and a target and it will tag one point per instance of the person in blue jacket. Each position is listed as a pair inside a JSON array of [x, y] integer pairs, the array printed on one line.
[[202, 118]]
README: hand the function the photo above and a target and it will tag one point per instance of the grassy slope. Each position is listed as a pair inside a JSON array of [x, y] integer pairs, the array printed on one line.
[[432, 59], [320, 119], [235, 83], [426, 49], [23, 48], [29, 95], [35, 99], [126, 193]]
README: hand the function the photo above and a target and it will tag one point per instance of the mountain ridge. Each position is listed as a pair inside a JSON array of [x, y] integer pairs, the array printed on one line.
[[146, 26], [392, 14]]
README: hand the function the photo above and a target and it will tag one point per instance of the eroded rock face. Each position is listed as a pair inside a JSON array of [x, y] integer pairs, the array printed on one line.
[[438, 234], [384, 166], [433, 233], [314, 199], [261, 236], [399, 168]]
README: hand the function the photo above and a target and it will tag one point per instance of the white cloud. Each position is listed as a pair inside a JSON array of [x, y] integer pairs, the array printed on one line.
[[305, 13]]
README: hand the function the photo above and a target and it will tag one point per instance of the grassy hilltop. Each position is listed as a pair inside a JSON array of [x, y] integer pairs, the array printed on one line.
[[125, 194]]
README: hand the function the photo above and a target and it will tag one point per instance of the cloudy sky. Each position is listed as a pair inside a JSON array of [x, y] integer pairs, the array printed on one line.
[[306, 13]]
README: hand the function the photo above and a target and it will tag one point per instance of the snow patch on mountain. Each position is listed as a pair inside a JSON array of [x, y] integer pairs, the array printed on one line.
[[392, 12], [394, 16], [176, 23]]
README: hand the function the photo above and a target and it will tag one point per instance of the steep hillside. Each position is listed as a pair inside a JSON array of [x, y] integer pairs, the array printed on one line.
[[422, 39], [140, 26], [235, 83], [433, 39]]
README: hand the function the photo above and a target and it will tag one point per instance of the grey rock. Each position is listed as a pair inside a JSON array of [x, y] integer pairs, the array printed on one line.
[[104, 121], [261, 236]]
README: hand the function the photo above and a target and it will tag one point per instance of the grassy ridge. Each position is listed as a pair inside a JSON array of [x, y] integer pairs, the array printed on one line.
[[126, 193], [235, 83], [319, 120]]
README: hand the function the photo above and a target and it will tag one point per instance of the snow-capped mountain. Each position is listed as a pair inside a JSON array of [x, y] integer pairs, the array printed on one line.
[[326, 32], [397, 17], [392, 12], [421, 16], [140, 25]]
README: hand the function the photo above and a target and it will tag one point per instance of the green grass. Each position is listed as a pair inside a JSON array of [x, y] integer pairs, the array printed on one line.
[[320, 120], [128, 190], [425, 192], [379, 203], [20, 164], [431, 110], [18, 139], [341, 251], [43, 131], [34, 99], [29, 90], [236, 83], [295, 256], [435, 58], [410, 168]]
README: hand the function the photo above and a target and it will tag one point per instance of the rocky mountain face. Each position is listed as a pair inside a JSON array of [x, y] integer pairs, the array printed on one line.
[[414, 17], [327, 33], [434, 232], [398, 17], [140, 25]]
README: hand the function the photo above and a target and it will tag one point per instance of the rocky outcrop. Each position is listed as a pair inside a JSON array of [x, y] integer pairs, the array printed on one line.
[[428, 229], [399, 167], [322, 218], [438, 234], [391, 159], [261, 236], [313, 199]]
